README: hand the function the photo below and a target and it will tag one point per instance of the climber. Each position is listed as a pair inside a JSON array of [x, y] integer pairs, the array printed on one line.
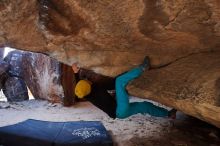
[[121, 107]]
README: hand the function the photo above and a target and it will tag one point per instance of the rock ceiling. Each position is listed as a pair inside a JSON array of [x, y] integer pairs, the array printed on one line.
[[113, 36]]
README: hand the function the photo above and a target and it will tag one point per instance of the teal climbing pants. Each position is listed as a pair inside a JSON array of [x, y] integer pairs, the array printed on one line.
[[124, 107]]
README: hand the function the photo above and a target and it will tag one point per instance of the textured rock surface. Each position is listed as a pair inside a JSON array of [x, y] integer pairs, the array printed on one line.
[[14, 59], [15, 89], [40, 72], [111, 37], [42, 76], [191, 84], [68, 84], [4, 66]]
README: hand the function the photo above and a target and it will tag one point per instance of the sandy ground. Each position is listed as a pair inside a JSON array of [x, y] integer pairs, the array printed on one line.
[[137, 130]]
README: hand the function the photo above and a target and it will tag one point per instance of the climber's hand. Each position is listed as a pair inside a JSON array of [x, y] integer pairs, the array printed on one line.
[[75, 68]]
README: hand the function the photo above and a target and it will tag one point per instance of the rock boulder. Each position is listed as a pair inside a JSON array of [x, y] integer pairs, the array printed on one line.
[[111, 37], [42, 76], [40, 73], [15, 89], [191, 84], [14, 59], [4, 66]]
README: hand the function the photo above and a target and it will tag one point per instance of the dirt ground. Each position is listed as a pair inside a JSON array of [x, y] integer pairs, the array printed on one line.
[[137, 130]]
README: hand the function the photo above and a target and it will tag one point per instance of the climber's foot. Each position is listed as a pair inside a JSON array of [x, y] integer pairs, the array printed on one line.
[[172, 114], [145, 65]]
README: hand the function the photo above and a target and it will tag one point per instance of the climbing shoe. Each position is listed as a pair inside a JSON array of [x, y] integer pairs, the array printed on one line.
[[145, 65], [172, 114]]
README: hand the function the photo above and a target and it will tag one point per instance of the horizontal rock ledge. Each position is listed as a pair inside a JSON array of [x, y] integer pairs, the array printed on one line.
[[191, 85]]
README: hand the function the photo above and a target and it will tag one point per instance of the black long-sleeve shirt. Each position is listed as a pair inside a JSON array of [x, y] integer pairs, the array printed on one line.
[[99, 95]]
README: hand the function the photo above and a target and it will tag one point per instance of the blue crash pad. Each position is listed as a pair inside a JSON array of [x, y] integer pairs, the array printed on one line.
[[45, 133]]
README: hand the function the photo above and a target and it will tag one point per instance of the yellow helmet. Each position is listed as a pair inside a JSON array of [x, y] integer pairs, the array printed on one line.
[[83, 88]]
